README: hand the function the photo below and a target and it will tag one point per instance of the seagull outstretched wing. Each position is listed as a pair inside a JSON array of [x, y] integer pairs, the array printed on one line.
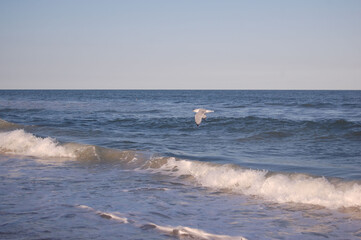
[[200, 114]]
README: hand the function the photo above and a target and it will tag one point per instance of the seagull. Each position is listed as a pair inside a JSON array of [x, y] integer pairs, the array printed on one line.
[[200, 114]]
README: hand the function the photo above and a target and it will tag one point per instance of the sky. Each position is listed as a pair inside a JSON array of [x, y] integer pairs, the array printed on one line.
[[165, 44]]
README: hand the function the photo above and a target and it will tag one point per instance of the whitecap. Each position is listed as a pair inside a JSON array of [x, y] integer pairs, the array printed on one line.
[[276, 187]]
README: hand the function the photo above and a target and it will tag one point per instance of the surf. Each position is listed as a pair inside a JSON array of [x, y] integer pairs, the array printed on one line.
[[272, 186], [20, 142], [332, 193]]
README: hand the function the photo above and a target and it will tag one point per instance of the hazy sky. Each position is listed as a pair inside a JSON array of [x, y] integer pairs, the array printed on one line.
[[225, 44]]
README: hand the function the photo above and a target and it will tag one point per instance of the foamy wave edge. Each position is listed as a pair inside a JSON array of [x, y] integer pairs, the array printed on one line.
[[180, 231], [275, 187], [22, 143]]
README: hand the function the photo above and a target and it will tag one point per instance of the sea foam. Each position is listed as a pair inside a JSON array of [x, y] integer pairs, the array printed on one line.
[[180, 232], [276, 187], [22, 143]]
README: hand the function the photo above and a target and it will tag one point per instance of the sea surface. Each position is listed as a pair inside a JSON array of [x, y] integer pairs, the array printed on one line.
[[132, 164]]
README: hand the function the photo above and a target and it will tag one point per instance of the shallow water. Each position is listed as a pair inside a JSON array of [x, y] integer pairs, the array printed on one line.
[[133, 165]]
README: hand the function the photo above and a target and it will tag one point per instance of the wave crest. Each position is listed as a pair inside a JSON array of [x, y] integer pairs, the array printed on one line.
[[276, 187], [23, 143], [19, 142]]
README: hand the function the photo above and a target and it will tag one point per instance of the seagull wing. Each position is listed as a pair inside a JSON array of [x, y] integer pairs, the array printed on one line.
[[200, 114], [198, 117]]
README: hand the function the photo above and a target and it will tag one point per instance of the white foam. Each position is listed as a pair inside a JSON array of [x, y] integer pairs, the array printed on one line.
[[193, 233], [23, 143], [180, 231], [105, 214], [281, 188]]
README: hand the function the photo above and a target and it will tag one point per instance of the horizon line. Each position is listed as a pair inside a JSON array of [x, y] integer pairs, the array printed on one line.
[[169, 89]]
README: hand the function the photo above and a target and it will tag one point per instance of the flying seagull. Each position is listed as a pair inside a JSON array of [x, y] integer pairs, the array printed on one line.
[[200, 114]]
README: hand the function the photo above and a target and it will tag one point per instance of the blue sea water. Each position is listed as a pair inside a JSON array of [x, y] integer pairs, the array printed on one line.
[[132, 164]]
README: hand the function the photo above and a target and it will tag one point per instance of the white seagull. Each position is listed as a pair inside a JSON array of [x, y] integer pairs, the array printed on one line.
[[200, 114]]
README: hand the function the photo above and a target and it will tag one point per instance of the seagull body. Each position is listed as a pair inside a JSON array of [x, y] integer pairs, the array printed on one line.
[[200, 114]]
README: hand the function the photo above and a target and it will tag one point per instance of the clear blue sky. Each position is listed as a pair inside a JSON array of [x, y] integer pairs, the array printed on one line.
[[164, 44]]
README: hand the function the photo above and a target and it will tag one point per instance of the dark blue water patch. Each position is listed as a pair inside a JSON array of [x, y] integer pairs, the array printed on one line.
[[248, 121], [317, 105], [125, 120], [350, 105], [154, 111], [280, 128], [6, 110], [22, 111], [273, 135], [159, 123], [353, 135], [331, 128], [234, 107]]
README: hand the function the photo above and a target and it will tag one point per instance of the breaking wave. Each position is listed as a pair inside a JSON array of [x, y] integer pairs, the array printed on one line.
[[19, 142], [276, 187], [22, 143], [273, 186]]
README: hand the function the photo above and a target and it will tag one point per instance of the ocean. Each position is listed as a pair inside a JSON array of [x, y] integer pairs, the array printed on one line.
[[132, 164]]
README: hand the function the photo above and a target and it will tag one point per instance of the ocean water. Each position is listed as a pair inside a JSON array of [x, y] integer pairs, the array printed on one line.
[[132, 164]]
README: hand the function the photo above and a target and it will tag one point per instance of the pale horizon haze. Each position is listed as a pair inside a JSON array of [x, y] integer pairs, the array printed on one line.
[[180, 44]]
